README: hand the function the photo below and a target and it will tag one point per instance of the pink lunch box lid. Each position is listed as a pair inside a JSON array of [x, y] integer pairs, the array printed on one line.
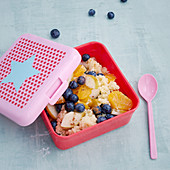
[[33, 73]]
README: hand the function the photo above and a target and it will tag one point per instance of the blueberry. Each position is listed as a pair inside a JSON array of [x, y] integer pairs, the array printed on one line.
[[110, 15], [123, 1], [81, 80], [97, 110], [47, 113], [73, 98], [69, 106], [67, 93], [54, 124], [80, 107], [108, 116], [101, 119], [85, 57], [73, 85], [58, 107], [106, 108], [100, 74], [93, 73], [91, 12], [101, 115], [55, 33]]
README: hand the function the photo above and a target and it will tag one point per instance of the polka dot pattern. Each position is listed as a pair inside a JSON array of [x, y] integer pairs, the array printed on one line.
[[46, 59]]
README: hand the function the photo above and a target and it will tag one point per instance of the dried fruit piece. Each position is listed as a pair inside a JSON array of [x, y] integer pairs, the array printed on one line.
[[79, 71], [119, 101], [110, 77]]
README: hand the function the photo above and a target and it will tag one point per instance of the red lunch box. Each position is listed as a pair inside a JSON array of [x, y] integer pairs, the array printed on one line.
[[102, 55]]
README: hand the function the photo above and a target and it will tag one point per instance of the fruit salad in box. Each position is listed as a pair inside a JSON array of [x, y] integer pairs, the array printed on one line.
[[98, 99]]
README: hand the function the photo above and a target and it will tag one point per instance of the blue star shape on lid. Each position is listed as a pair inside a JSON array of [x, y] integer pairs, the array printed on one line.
[[20, 72]]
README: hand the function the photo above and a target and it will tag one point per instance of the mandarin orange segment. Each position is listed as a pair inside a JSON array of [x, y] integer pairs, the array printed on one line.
[[93, 103], [110, 77], [75, 91], [119, 101], [85, 100], [60, 100], [84, 92], [86, 106], [122, 111], [79, 71]]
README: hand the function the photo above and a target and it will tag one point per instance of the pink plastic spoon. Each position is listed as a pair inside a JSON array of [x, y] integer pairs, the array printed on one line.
[[147, 87]]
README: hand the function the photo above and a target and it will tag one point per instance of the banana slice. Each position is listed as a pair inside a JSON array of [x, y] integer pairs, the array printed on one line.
[[71, 119], [91, 81], [51, 111], [95, 93]]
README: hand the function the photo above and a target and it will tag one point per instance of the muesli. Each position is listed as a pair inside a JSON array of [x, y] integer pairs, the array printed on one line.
[[92, 97]]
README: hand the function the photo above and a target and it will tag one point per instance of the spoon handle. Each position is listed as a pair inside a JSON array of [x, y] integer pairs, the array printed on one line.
[[153, 148]]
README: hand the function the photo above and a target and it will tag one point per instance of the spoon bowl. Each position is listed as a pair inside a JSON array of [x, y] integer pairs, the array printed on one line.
[[147, 87]]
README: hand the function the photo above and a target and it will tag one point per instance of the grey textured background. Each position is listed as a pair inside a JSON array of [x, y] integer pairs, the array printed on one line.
[[138, 39]]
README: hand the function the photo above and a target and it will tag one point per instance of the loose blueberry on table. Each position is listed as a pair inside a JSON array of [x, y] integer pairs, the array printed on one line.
[[55, 33], [123, 1], [110, 15], [91, 12]]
